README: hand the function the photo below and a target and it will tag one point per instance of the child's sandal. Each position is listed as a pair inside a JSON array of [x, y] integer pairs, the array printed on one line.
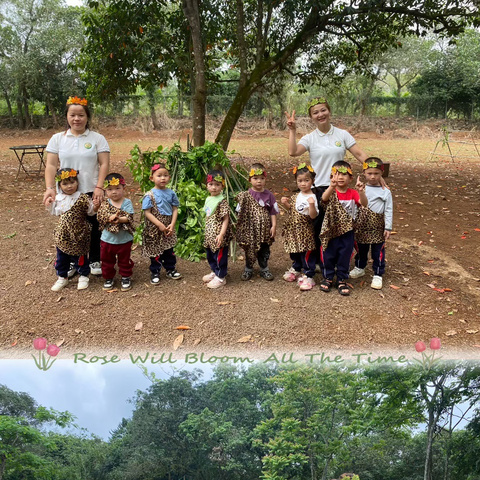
[[344, 289], [326, 285]]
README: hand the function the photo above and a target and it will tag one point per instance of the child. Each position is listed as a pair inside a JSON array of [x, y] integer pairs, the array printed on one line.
[[374, 224], [72, 234], [257, 223], [115, 218], [337, 230], [160, 206], [298, 230], [218, 232]]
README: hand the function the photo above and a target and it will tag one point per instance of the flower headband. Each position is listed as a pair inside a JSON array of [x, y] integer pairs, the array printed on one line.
[[217, 178], [156, 166], [302, 165], [372, 164], [342, 169], [315, 101], [257, 171], [66, 174], [113, 182], [77, 101]]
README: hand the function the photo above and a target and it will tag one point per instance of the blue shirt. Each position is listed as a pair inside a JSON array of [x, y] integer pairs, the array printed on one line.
[[122, 236], [165, 199]]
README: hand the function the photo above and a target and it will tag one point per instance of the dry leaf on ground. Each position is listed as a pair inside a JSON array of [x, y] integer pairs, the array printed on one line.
[[472, 331], [183, 327], [275, 300], [138, 326], [245, 339], [224, 303], [177, 342], [450, 333]]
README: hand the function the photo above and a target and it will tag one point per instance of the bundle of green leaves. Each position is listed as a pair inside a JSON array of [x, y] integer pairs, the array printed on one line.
[[188, 172]]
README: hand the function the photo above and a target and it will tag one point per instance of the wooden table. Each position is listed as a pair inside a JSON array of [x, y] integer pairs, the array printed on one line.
[[22, 151]]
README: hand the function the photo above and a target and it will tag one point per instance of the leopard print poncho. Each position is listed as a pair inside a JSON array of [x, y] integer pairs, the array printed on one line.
[[155, 242], [213, 225], [72, 234], [298, 232], [369, 227], [253, 225], [337, 221], [106, 210]]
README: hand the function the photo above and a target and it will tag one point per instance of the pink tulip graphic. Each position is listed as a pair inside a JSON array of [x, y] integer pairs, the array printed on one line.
[[420, 346], [52, 350], [40, 343], [427, 360]]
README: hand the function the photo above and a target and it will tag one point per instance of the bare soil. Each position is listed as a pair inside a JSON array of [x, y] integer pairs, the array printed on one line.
[[431, 287]]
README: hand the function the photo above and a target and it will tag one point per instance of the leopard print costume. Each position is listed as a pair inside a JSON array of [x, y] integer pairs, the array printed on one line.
[[213, 225], [72, 234], [337, 221], [155, 242], [369, 227], [253, 226], [106, 210], [298, 232]]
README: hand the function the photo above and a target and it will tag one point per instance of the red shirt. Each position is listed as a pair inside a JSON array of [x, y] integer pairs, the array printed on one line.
[[350, 200]]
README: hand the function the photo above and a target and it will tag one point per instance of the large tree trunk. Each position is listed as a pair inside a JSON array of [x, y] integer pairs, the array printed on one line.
[[151, 107], [28, 120], [21, 119], [9, 107], [429, 450], [191, 10]]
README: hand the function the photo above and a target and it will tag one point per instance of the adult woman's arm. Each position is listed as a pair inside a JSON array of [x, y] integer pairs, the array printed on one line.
[[358, 153], [104, 163], [50, 170], [294, 149]]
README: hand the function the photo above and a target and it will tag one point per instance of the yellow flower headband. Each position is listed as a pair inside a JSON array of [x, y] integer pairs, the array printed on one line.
[[113, 182], [342, 169], [66, 174], [372, 164], [302, 165], [315, 101], [77, 101], [257, 171]]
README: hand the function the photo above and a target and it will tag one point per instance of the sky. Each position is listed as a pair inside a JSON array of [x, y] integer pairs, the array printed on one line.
[[97, 395]]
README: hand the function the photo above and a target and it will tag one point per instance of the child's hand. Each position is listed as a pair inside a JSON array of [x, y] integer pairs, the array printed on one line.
[[163, 228], [284, 200], [360, 186], [291, 120], [333, 180], [218, 240], [311, 200], [112, 218], [96, 202], [386, 234], [273, 230], [169, 230], [49, 201]]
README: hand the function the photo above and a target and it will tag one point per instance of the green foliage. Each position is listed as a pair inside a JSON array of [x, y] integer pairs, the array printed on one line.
[[188, 171]]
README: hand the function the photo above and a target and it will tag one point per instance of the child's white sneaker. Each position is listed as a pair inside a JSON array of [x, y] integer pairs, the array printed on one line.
[[291, 275], [307, 284], [217, 282], [357, 272], [59, 284], [377, 282], [301, 279], [82, 282], [209, 277]]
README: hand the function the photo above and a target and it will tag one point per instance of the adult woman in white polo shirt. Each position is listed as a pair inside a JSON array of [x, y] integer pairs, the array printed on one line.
[[325, 145], [88, 153]]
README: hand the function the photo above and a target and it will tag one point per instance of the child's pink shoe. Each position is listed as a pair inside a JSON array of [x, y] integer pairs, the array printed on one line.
[[291, 275], [301, 279], [209, 277], [307, 284], [217, 282]]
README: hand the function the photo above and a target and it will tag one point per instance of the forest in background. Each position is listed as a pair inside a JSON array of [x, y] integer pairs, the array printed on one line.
[[124, 59], [270, 422]]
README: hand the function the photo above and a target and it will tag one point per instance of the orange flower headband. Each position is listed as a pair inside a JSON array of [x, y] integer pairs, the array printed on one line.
[[66, 174], [342, 169], [302, 165], [257, 171], [113, 182], [77, 101]]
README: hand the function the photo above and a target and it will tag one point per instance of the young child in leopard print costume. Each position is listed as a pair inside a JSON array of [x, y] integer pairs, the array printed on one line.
[[374, 224], [218, 231], [72, 234], [257, 223], [298, 231]]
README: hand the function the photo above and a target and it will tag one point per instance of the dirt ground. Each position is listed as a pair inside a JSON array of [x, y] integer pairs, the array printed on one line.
[[431, 287]]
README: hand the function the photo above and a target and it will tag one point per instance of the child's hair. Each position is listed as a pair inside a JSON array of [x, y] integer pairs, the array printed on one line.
[[157, 166], [343, 167], [64, 173], [304, 168], [316, 101], [216, 175], [113, 179], [373, 162], [257, 169]]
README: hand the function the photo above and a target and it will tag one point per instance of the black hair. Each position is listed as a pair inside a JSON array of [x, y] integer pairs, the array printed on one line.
[[114, 175], [342, 163], [305, 170]]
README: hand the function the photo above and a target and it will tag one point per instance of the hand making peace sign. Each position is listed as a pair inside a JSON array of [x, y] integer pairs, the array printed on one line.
[[291, 120]]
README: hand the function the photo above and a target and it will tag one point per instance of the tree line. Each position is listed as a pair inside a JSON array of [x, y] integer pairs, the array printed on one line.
[[270, 422]]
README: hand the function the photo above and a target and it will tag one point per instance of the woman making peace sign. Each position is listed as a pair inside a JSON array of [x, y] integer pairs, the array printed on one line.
[[326, 145]]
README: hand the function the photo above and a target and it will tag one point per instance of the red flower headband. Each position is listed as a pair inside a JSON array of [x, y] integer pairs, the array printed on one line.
[[216, 178], [156, 166]]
